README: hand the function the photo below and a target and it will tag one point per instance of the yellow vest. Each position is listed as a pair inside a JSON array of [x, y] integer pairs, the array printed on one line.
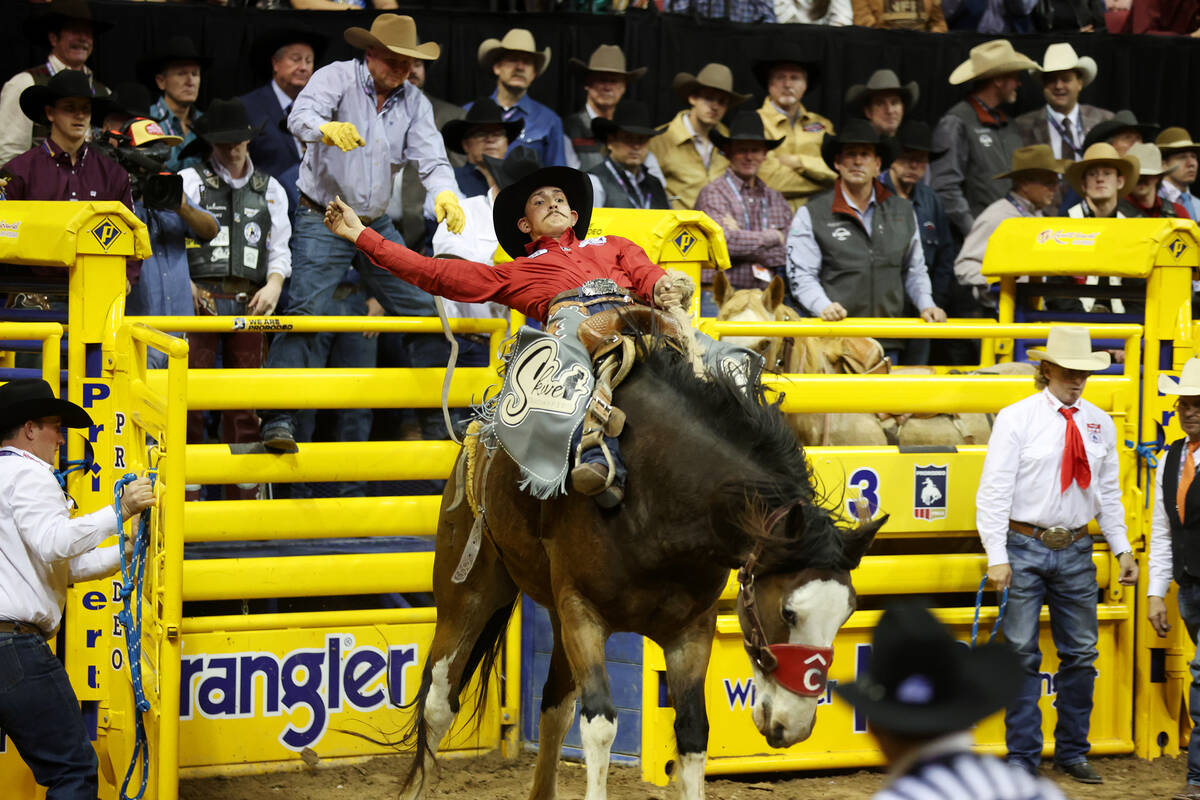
[[681, 164], [802, 141]]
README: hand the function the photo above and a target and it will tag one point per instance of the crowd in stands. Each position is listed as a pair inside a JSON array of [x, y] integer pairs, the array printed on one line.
[[878, 215]]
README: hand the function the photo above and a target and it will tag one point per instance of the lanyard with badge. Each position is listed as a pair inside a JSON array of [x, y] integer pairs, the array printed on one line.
[[641, 199], [1068, 140], [765, 224]]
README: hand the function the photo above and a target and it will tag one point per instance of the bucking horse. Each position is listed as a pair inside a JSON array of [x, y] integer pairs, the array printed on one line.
[[716, 483]]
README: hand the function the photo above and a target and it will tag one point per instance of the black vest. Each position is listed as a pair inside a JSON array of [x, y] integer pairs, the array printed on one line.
[[616, 194], [239, 250], [1185, 537], [578, 128]]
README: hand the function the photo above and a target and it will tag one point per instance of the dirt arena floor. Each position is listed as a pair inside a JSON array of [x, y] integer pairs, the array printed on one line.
[[494, 778]]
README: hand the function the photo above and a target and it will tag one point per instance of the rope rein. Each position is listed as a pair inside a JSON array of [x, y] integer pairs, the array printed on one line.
[[979, 603]]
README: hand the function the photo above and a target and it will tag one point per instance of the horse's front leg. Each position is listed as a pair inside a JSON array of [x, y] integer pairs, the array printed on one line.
[[687, 662], [583, 637]]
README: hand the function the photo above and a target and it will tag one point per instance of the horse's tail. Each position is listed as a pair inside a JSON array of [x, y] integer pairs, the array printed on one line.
[[484, 656]]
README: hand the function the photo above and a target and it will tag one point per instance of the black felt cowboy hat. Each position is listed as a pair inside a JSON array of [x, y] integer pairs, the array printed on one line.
[[67, 83], [1122, 121], [519, 162], [858, 131], [921, 682], [914, 135], [510, 204], [484, 111], [59, 13], [226, 122], [129, 98], [32, 398], [266, 44], [176, 48], [789, 55], [631, 116], [746, 127]]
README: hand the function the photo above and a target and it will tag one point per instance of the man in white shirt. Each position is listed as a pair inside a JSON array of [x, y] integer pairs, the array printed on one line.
[[1181, 155], [1051, 468], [42, 551], [1174, 545]]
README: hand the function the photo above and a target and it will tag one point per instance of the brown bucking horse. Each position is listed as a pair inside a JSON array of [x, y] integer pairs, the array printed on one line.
[[716, 483]]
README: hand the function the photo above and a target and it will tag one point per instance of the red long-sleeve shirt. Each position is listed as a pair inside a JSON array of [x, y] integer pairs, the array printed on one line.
[[527, 284]]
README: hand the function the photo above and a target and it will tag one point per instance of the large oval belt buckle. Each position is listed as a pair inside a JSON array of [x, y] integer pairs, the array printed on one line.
[[1057, 538]]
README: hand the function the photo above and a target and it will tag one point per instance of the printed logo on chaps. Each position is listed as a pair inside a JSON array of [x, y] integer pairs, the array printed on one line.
[[539, 383]]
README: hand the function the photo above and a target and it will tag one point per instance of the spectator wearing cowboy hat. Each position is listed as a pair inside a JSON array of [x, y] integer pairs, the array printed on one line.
[[483, 131], [68, 27], [883, 100], [43, 549], [1180, 155], [922, 694], [240, 272], [1033, 506], [1064, 122], [754, 216], [924, 15], [622, 180], [906, 177], [815, 12], [1101, 178], [361, 120], [687, 156], [1144, 196], [1122, 131], [516, 62], [605, 81], [175, 70], [795, 168], [975, 138], [854, 249], [1174, 554]]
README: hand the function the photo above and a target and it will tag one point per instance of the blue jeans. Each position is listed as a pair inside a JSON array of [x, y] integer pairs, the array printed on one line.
[[1189, 611], [1065, 580], [40, 714], [319, 261]]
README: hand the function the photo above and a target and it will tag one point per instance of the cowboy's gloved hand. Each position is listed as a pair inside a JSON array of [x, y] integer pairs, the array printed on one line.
[[446, 207], [666, 294], [342, 135]]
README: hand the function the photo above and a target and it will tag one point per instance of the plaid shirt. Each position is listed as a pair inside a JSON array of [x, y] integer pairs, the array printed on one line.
[[761, 215]]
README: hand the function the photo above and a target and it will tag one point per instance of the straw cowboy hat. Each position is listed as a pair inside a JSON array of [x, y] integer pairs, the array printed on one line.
[[1070, 346], [609, 60], [883, 80], [1176, 140], [517, 40], [921, 682], [1061, 56], [858, 131], [996, 57], [484, 111], [1188, 384], [1102, 154], [1149, 161], [66, 83], [747, 126], [1122, 121], [396, 33], [510, 204], [24, 399], [631, 116], [1034, 157], [712, 76]]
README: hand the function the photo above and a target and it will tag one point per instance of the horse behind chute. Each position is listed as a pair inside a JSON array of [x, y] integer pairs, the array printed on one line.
[[716, 482]]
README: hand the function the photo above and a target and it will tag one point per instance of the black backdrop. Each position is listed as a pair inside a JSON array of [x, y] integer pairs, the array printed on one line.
[[1149, 74]]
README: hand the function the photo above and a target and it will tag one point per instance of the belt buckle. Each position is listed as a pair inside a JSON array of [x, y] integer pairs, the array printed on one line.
[[599, 286], [241, 297], [1057, 538]]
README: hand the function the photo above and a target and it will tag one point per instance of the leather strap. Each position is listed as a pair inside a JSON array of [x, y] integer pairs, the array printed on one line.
[[20, 627], [1035, 532]]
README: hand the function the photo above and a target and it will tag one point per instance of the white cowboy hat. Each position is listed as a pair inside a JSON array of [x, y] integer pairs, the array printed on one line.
[[1188, 383], [996, 57], [1070, 346], [396, 33], [517, 40], [1150, 160], [1060, 56]]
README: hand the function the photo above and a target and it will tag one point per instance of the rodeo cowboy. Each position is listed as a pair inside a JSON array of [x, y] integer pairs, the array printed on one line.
[[561, 277]]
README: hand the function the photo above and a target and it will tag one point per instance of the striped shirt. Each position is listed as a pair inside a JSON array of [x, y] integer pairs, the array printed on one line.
[[945, 770]]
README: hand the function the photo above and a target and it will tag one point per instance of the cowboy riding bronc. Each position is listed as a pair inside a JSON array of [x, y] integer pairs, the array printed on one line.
[[566, 280]]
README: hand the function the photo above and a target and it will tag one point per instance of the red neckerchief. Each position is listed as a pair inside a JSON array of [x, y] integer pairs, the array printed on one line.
[[988, 116], [840, 206]]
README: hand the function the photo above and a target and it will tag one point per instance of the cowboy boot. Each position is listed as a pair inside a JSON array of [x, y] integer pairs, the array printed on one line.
[[596, 473]]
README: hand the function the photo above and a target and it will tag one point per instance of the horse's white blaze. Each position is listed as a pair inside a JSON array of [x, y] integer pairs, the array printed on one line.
[[821, 608], [597, 734], [747, 314], [691, 776], [438, 714]]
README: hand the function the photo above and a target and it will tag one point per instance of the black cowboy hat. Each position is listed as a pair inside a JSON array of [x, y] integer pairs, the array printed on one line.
[[921, 682], [226, 122], [914, 135], [631, 116], [265, 44], [66, 83], [858, 131], [1123, 120], [59, 13], [24, 399], [176, 48], [788, 55], [484, 111], [519, 162], [747, 126], [510, 204], [129, 98]]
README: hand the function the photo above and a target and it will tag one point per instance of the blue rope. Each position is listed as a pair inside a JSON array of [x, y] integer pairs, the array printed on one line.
[[1147, 451], [68, 467], [131, 623], [979, 603]]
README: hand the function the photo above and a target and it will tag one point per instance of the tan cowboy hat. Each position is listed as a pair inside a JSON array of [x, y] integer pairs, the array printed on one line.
[[1034, 157], [609, 59], [1188, 383], [712, 76], [883, 80], [1070, 346], [1100, 154], [1060, 56], [996, 57], [517, 40], [396, 33], [1150, 160], [1175, 139]]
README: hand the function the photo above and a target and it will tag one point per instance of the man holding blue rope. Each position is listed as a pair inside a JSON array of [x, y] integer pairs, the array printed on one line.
[[43, 549]]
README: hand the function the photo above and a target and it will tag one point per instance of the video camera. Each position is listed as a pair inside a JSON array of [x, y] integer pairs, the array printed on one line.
[[141, 147]]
